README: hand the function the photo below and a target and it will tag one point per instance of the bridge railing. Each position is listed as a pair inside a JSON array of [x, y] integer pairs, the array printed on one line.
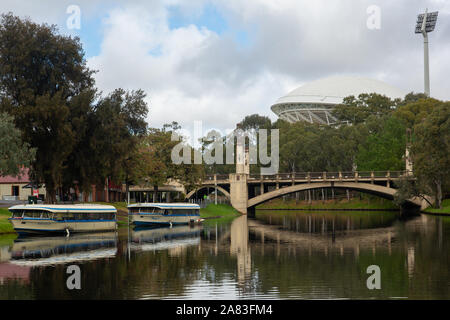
[[301, 175], [396, 174], [380, 174], [344, 175], [331, 175], [364, 174]]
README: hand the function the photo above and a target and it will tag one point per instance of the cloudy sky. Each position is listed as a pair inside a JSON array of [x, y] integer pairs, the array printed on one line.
[[217, 61]]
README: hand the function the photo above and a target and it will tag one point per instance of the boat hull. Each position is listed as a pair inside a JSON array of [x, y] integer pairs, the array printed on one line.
[[158, 219], [45, 226]]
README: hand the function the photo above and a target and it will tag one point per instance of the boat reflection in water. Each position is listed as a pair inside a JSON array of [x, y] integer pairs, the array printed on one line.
[[42, 251], [150, 239]]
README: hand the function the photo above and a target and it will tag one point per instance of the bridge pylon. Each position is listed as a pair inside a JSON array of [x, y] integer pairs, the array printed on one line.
[[239, 192], [239, 180]]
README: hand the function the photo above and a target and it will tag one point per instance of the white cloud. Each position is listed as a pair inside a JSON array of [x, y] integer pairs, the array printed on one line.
[[184, 81], [193, 73]]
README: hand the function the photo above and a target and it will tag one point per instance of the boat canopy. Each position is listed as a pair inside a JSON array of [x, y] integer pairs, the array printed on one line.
[[172, 206], [64, 208]]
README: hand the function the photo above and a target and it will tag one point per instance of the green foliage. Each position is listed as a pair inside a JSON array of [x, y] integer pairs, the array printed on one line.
[[366, 203], [155, 167], [383, 150], [414, 112], [431, 150], [312, 148], [5, 225], [80, 138], [218, 214], [14, 153], [255, 122], [118, 122], [357, 110], [40, 72], [444, 210], [35, 61]]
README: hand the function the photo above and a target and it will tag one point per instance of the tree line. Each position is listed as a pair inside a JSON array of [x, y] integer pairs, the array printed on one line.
[[371, 135], [55, 121]]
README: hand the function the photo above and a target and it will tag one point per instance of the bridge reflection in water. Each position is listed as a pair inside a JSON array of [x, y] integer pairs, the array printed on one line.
[[279, 254], [325, 234]]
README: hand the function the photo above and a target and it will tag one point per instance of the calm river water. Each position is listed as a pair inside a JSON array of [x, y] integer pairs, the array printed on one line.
[[278, 255]]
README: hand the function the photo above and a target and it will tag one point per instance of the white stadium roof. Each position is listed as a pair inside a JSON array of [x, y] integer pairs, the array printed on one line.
[[314, 101], [333, 90]]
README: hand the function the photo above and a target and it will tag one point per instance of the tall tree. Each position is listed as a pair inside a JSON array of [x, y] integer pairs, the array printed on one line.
[[431, 150], [118, 122], [14, 153], [40, 72], [158, 167]]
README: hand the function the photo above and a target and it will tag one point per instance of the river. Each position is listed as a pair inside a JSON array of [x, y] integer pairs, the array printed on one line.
[[277, 255]]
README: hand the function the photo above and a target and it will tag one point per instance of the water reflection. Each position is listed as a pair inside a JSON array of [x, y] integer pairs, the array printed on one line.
[[41, 251], [240, 248], [174, 238], [285, 255]]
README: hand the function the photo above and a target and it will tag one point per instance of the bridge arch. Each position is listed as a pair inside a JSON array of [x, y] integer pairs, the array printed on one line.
[[224, 192], [381, 191]]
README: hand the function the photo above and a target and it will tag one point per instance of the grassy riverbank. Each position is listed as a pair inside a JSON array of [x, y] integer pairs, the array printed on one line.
[[5, 225], [353, 204], [218, 213], [445, 208], [122, 212]]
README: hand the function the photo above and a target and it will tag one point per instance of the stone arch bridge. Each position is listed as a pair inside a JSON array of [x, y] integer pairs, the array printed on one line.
[[246, 191]]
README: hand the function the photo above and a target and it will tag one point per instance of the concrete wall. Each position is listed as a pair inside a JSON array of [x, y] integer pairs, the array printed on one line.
[[6, 190]]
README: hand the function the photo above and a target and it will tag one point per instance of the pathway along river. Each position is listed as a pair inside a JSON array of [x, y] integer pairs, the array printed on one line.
[[278, 255]]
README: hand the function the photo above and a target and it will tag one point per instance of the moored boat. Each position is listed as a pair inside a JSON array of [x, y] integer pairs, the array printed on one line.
[[62, 218], [142, 214]]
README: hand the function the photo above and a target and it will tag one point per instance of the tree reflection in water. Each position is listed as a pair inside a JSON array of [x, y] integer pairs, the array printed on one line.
[[277, 255]]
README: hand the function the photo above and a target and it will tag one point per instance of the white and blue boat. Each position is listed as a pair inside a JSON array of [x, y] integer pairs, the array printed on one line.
[[147, 214], [62, 218]]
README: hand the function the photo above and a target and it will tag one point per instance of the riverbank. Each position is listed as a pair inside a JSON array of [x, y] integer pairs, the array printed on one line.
[[364, 204], [218, 213], [122, 212], [5, 225], [444, 211]]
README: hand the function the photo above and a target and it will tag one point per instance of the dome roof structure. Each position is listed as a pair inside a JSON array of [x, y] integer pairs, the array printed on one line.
[[313, 102]]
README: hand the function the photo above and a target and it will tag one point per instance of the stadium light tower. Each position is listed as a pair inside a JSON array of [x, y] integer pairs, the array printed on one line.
[[425, 24]]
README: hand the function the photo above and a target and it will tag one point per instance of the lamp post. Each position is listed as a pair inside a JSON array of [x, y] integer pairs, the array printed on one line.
[[426, 23]]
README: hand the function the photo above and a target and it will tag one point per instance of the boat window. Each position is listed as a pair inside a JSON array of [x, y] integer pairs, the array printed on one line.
[[32, 213], [154, 210], [134, 210], [17, 213], [46, 215], [69, 216], [78, 216], [186, 212], [28, 214]]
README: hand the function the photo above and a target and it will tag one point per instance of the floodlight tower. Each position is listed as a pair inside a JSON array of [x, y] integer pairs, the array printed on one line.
[[425, 24]]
